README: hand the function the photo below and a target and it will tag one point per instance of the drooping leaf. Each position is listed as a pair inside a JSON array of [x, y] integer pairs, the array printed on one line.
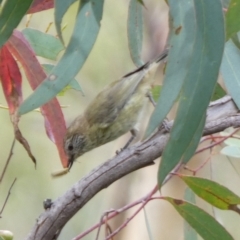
[[53, 116], [84, 36], [182, 30], [204, 224], [11, 80], [135, 31], [206, 56], [212, 192]]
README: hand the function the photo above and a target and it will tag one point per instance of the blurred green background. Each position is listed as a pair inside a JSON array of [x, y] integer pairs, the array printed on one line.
[[108, 61]]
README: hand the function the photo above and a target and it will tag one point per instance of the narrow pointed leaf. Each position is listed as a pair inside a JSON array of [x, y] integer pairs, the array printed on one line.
[[53, 116], [61, 7], [10, 16], [84, 36], [182, 29], [135, 31], [212, 192], [204, 224], [199, 83]]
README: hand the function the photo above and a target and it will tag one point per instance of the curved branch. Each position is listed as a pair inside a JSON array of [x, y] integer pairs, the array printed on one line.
[[221, 114]]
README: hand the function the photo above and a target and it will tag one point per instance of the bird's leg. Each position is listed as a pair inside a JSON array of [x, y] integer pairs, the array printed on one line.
[[164, 124], [134, 133]]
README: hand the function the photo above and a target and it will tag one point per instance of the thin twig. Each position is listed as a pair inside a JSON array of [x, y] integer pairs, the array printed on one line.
[[217, 142], [8, 160], [145, 201], [115, 213], [9, 192], [126, 207], [103, 221]]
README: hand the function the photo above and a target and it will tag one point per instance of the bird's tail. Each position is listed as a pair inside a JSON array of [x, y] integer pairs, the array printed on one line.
[[147, 65]]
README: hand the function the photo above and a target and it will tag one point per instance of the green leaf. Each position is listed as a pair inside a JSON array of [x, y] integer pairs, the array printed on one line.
[[230, 70], [43, 44], [61, 7], [190, 150], [135, 31], [212, 192], [73, 84], [84, 36], [232, 18], [219, 92], [204, 224], [199, 84], [10, 16], [189, 232], [182, 30]]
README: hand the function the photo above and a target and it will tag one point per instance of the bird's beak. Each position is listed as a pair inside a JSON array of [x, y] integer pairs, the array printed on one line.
[[70, 162]]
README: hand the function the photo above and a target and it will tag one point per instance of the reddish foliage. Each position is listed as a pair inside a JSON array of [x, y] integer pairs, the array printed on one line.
[[11, 79], [54, 119], [41, 5], [12, 87]]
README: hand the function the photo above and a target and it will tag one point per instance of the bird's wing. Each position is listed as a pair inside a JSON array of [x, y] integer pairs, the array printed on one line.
[[105, 108]]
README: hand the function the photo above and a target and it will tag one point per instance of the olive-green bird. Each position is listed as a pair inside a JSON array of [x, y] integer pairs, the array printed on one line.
[[114, 111]]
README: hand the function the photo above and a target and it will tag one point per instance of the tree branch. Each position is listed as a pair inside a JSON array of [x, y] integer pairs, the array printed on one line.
[[221, 114]]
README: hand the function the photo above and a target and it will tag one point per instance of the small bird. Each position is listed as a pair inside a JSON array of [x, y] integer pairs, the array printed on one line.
[[114, 112]]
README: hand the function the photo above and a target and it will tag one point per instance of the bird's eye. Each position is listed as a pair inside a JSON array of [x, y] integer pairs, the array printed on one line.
[[70, 147]]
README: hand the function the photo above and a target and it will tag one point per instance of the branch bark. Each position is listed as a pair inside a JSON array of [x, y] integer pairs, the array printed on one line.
[[221, 114]]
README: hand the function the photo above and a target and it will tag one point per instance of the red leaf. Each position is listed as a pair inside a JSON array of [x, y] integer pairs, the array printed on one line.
[[41, 5], [11, 79], [54, 120]]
